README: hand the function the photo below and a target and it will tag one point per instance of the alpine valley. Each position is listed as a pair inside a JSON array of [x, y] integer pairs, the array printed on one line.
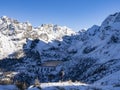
[[46, 55]]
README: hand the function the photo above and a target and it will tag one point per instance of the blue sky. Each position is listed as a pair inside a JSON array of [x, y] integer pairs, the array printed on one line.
[[76, 14]]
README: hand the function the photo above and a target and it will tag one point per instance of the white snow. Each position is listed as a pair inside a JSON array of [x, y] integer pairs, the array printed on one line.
[[72, 86], [96, 42], [112, 79]]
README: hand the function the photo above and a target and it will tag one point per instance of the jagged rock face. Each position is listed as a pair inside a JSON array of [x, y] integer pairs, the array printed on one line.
[[14, 34], [111, 22], [24, 47], [87, 56], [100, 45]]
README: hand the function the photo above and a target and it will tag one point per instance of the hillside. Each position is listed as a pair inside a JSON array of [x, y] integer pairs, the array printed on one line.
[[90, 56]]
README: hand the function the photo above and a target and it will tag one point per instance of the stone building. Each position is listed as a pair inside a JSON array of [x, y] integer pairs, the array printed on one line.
[[49, 66]]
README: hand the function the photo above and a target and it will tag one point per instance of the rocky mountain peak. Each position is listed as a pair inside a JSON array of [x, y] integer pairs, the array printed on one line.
[[112, 20], [87, 56]]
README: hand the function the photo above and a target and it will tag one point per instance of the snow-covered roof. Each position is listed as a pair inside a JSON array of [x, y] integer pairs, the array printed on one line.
[[51, 63]]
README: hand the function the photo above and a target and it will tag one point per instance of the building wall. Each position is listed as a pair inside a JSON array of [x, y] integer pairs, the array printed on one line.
[[46, 69], [52, 63]]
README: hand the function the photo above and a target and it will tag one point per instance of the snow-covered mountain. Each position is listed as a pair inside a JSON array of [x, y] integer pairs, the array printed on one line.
[[90, 56], [14, 34]]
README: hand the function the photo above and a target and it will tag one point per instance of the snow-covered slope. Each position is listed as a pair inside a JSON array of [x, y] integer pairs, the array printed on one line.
[[14, 34], [113, 79], [97, 52], [90, 56]]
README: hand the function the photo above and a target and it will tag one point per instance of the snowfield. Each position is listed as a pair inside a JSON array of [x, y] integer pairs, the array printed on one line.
[[62, 86]]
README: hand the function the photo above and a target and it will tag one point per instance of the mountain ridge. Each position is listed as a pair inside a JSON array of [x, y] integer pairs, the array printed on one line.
[[88, 56]]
